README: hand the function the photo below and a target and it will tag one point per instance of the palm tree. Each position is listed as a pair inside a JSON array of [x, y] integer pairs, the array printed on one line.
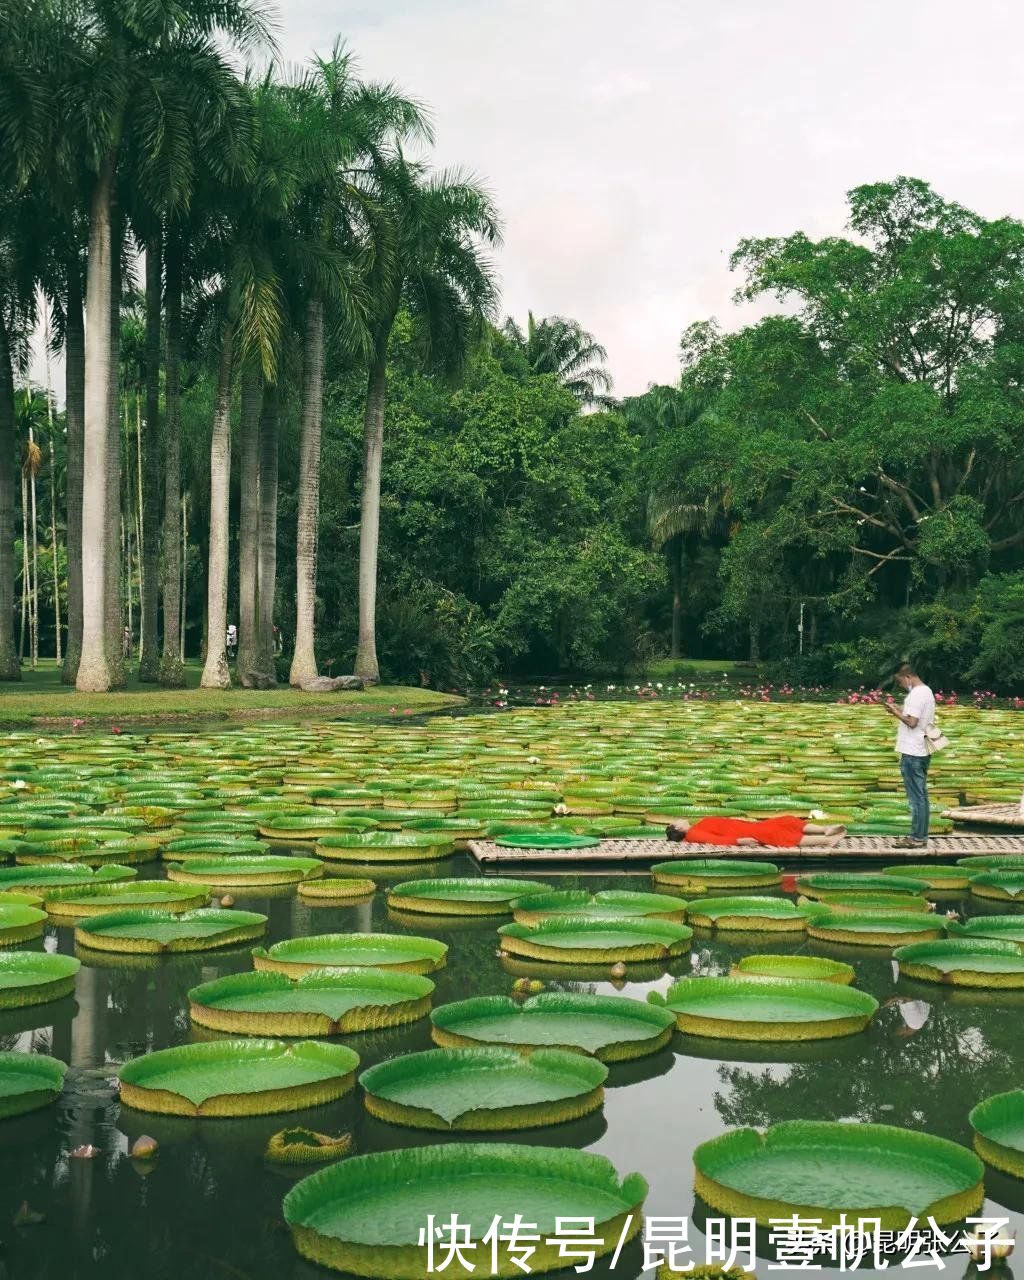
[[352, 124], [563, 348], [144, 66], [429, 234]]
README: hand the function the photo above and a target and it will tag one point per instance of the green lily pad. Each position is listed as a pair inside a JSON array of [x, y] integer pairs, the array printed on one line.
[[763, 1008], [461, 896], [269, 869], [386, 846], [824, 883], [964, 962], [19, 923], [935, 876], [875, 929], [998, 1124], [717, 873], [1002, 885], [747, 915], [297, 956], [59, 875], [547, 840], [484, 1088], [1001, 928], [206, 847], [28, 1081], [364, 1215], [159, 931], [823, 1170], [606, 902], [322, 1003], [99, 899], [992, 862], [612, 1028], [589, 940], [238, 1077], [814, 968], [35, 977]]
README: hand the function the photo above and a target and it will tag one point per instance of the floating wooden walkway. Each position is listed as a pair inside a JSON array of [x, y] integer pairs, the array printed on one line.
[[988, 815], [643, 852]]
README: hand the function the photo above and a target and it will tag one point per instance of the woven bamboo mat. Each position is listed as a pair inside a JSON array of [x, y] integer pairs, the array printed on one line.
[[993, 815], [645, 851]]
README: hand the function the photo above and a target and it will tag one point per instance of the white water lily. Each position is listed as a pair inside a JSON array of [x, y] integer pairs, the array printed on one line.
[[19, 784]]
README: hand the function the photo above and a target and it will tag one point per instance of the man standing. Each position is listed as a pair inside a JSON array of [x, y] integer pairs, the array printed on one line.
[[916, 716]]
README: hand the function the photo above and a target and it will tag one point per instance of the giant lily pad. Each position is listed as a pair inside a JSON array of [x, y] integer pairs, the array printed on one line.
[[28, 1081], [484, 1088], [964, 962], [461, 896], [19, 923], [216, 847], [612, 1028], [1004, 928], [339, 889], [35, 977], [547, 840], [606, 902], [821, 1171], [747, 915], [767, 1008], [99, 899], [873, 902], [403, 952], [590, 939], [824, 883], [364, 1215], [934, 875], [1004, 886], [60, 875], [324, 1003], [160, 931], [716, 873], [385, 846], [815, 968], [238, 1077], [875, 929], [998, 1124], [992, 862], [268, 869]]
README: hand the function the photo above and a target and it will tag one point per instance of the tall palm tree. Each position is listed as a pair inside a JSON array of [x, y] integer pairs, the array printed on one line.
[[562, 347], [429, 237], [352, 123], [144, 65]]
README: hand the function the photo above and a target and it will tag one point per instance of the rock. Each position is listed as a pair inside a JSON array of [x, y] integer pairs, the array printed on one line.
[[331, 684], [144, 1148], [227, 900], [258, 680]]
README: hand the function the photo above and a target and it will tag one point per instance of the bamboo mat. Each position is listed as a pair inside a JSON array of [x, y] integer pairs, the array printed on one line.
[[961, 845], [992, 815]]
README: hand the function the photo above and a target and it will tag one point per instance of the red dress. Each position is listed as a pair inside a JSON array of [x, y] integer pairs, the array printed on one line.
[[785, 832]]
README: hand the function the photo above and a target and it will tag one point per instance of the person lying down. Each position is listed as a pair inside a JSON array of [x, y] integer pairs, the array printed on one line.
[[785, 832]]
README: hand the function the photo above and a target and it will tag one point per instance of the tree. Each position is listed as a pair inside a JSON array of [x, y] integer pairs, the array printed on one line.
[[428, 236], [563, 348]]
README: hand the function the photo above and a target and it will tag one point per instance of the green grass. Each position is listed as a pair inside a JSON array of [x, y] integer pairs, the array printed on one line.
[[40, 699], [677, 668]]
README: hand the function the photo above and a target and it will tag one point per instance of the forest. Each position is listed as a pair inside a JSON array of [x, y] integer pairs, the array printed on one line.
[[255, 372]]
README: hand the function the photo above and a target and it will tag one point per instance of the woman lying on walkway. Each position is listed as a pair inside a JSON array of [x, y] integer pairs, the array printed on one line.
[[775, 833]]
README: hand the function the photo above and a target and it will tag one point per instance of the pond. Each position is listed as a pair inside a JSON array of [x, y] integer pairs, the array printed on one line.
[[209, 1206]]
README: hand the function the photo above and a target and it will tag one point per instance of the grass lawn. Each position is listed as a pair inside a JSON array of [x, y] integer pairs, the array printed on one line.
[[40, 699], [677, 668]]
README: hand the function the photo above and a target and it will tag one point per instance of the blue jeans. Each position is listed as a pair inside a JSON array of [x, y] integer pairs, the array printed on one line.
[[915, 782]]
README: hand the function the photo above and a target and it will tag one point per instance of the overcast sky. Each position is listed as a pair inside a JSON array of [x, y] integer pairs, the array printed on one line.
[[631, 143]]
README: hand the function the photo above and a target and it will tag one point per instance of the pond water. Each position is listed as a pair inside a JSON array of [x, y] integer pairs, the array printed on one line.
[[210, 1207]]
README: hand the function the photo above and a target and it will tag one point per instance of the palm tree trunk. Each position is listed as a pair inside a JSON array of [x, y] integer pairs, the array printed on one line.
[[34, 620], [26, 577], [304, 666], [369, 520], [676, 556], [10, 667], [74, 419], [248, 662], [114, 598], [754, 633], [149, 490], [172, 673], [215, 671], [53, 539], [267, 567], [94, 672], [184, 584]]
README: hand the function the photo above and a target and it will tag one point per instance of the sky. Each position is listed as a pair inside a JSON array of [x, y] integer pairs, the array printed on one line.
[[630, 144]]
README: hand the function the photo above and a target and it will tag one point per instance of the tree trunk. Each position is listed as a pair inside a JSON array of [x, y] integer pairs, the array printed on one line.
[[267, 568], [676, 556], [172, 672], [184, 583], [369, 518], [35, 550], [304, 658], [53, 542], [114, 598], [10, 667], [149, 493], [248, 660], [215, 671], [26, 576], [74, 419], [94, 672], [754, 632]]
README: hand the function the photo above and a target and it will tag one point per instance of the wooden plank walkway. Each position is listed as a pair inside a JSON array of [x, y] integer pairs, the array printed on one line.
[[988, 815], [640, 852]]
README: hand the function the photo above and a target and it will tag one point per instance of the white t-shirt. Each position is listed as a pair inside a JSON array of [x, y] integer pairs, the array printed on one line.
[[919, 702]]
